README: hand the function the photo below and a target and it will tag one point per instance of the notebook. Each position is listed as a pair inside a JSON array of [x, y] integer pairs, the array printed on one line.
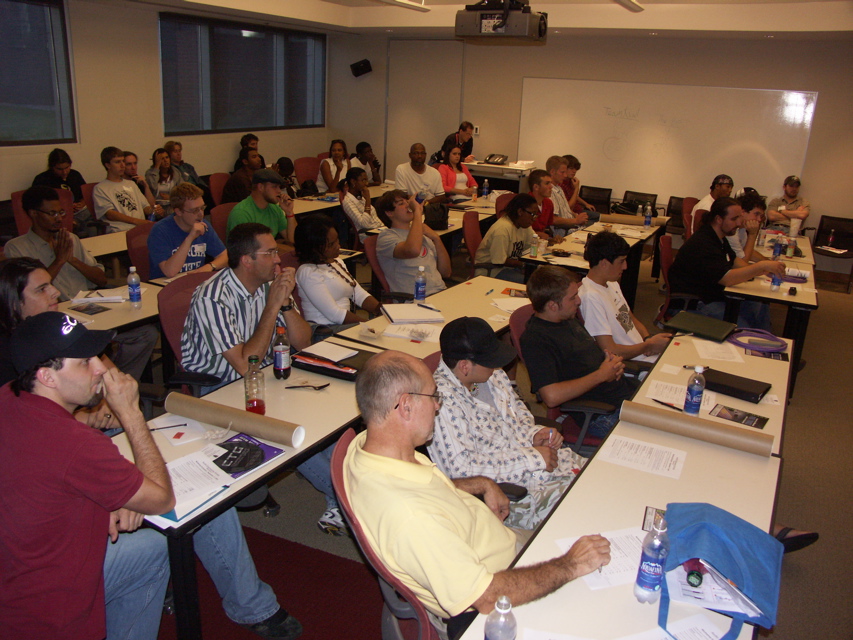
[[700, 326], [410, 313]]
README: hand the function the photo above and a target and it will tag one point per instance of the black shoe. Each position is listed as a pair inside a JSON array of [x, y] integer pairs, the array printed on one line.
[[279, 626]]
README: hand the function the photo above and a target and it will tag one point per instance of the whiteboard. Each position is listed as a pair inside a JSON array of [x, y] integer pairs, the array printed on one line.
[[666, 139]]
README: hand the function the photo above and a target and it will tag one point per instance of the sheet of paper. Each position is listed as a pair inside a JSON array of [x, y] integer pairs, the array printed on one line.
[[709, 595], [697, 627], [626, 546], [194, 475], [185, 429], [535, 634], [330, 351], [499, 318], [725, 351], [671, 370], [510, 304], [566, 261], [119, 294], [643, 456], [770, 398], [416, 332], [673, 394]]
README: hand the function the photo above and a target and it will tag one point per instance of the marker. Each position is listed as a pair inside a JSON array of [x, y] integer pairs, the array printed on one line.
[[171, 426], [490, 291], [666, 404], [426, 306]]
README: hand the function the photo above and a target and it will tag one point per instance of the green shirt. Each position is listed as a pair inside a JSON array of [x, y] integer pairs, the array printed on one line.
[[247, 211]]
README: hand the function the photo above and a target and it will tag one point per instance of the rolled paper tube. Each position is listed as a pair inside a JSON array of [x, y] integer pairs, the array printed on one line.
[[252, 424], [761, 444], [637, 221]]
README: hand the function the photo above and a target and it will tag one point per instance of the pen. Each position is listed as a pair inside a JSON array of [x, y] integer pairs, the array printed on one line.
[[426, 306], [666, 404], [693, 366], [168, 427], [489, 291]]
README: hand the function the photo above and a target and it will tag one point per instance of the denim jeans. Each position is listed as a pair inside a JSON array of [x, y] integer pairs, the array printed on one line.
[[753, 315], [603, 424], [136, 572], [318, 471], [511, 274]]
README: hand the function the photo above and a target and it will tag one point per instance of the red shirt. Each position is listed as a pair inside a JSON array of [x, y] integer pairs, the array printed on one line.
[[546, 216], [61, 479]]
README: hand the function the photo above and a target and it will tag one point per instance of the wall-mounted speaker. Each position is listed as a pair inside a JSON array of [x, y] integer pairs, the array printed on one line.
[[361, 67]]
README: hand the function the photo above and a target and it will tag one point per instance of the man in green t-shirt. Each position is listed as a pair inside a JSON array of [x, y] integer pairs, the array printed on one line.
[[267, 205]]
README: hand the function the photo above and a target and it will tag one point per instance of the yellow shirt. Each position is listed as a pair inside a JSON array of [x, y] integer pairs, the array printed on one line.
[[443, 543]]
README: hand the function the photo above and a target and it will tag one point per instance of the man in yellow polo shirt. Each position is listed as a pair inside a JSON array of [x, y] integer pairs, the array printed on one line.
[[440, 540]]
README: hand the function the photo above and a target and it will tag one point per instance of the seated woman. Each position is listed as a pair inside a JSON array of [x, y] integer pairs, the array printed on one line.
[[162, 177], [334, 168], [355, 201], [457, 181], [325, 285]]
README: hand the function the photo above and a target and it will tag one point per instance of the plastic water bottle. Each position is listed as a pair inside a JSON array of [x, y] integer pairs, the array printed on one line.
[[281, 354], [421, 197], [651, 572], [255, 387], [831, 238], [486, 189], [134, 289], [695, 390], [777, 248], [762, 237], [647, 220], [792, 247], [639, 210], [420, 285], [501, 624]]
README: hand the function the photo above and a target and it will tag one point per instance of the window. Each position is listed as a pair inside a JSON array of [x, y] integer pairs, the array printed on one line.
[[35, 82], [221, 76]]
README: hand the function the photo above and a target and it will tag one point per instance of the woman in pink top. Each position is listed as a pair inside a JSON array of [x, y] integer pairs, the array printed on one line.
[[457, 181]]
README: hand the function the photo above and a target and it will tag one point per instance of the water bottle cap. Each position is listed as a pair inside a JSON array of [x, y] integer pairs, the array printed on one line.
[[254, 359], [279, 329], [503, 604], [420, 268], [133, 269], [699, 369]]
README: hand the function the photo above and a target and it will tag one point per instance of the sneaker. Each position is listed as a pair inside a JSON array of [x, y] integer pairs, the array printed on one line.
[[279, 626], [332, 523]]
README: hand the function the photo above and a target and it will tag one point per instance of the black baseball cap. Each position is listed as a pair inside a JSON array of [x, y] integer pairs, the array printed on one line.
[[473, 339], [267, 175], [54, 335], [795, 180]]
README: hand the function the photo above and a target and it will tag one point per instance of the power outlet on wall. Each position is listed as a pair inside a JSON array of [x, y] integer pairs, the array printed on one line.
[[476, 130]]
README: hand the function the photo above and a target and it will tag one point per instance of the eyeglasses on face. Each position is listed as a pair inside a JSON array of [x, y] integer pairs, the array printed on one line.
[[195, 211], [435, 396], [269, 253], [53, 214]]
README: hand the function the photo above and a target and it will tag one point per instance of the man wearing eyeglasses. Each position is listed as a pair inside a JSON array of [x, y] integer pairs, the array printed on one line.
[[268, 206], [450, 548], [499, 254], [182, 240]]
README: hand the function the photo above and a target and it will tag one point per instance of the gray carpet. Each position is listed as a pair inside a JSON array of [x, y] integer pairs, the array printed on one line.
[[815, 490]]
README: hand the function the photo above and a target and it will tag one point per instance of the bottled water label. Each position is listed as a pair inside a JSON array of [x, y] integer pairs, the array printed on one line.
[[650, 575], [693, 400], [134, 292]]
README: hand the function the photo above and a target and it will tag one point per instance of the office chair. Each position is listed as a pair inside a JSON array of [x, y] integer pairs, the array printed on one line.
[[23, 221], [687, 302], [219, 219], [581, 443], [650, 198], [473, 235], [501, 203], [687, 216], [306, 168], [137, 249], [842, 239], [404, 617], [598, 197], [217, 186], [383, 291]]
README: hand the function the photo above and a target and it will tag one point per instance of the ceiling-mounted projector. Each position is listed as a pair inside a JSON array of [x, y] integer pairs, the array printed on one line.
[[505, 22]]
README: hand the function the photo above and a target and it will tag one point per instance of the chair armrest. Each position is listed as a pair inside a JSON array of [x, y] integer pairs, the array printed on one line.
[[195, 381], [396, 295], [514, 492], [547, 422], [587, 406]]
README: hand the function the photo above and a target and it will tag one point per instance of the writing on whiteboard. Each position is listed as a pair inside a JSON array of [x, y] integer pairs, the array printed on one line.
[[625, 113]]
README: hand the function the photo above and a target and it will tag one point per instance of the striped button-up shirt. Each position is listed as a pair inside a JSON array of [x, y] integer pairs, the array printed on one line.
[[222, 315]]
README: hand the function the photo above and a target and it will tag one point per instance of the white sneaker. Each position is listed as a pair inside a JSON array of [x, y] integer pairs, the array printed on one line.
[[332, 523]]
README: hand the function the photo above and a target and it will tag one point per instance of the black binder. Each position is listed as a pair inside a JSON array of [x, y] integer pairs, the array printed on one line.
[[700, 326], [736, 386]]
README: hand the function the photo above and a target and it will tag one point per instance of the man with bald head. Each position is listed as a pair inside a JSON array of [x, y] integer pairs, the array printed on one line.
[[416, 176], [446, 545]]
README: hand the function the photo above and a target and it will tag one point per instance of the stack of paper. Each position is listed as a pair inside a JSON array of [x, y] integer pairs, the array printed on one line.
[[330, 351], [410, 313]]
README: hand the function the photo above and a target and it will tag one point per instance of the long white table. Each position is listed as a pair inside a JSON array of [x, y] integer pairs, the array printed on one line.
[[120, 314]]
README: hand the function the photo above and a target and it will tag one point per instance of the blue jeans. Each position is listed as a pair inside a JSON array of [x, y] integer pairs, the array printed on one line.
[[603, 424], [753, 315], [318, 471], [136, 572], [511, 274]]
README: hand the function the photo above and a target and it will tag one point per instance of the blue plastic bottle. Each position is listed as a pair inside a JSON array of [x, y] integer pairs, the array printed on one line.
[[420, 285], [647, 218], [695, 390], [486, 189], [134, 289], [652, 561]]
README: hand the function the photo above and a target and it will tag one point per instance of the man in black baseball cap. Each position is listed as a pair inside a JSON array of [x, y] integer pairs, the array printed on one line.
[[268, 206], [781, 210], [484, 428]]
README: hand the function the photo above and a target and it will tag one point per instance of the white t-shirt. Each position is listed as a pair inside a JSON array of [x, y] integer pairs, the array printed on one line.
[[412, 182], [124, 197], [326, 292], [606, 313]]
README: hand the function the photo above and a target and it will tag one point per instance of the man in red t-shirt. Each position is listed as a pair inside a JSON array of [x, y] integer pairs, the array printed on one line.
[[541, 185], [62, 481]]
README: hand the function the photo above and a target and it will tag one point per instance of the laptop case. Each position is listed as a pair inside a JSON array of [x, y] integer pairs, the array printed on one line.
[[700, 326], [736, 386]]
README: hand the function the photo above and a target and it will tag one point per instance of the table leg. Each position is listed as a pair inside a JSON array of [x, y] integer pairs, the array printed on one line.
[[732, 309], [656, 253], [631, 275], [796, 325], [185, 587]]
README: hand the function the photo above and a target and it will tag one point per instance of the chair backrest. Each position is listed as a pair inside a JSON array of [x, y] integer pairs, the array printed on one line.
[[843, 237], [355, 245], [323, 155], [217, 185], [651, 198], [517, 325], [665, 248], [432, 361], [373, 259], [289, 259], [23, 221], [674, 207], [687, 215], [219, 219], [599, 197], [88, 198], [306, 168], [173, 302], [472, 233], [502, 202], [409, 606], [137, 249]]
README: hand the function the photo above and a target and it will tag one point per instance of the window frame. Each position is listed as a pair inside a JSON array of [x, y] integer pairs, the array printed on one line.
[[61, 74], [205, 64]]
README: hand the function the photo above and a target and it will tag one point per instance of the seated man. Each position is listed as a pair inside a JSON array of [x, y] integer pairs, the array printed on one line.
[[789, 206], [431, 532], [176, 154], [721, 187], [606, 315], [233, 315], [262, 206], [364, 158], [484, 428], [60, 175], [239, 185], [541, 187], [499, 254], [558, 168], [248, 141], [571, 187], [563, 360], [417, 177], [131, 172], [73, 269], [408, 243], [706, 264], [182, 240], [743, 241], [133, 602], [118, 199]]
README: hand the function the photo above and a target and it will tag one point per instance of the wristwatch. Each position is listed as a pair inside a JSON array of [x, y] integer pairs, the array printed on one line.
[[288, 306]]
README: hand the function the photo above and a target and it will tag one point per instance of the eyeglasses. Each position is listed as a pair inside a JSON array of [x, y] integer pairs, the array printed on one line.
[[533, 213], [269, 253], [435, 396], [195, 211], [53, 214]]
